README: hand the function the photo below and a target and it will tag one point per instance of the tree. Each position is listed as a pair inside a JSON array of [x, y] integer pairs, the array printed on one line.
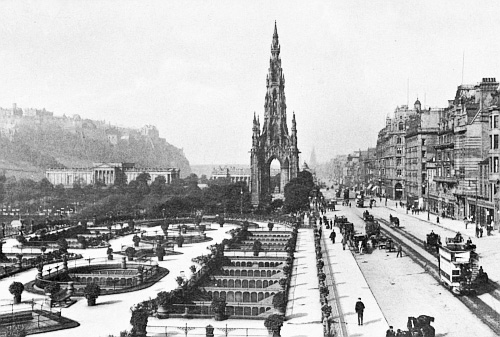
[[296, 196], [158, 185], [92, 292], [139, 321], [130, 252], [218, 307], [63, 245], [136, 240], [256, 247], [16, 289], [273, 323], [160, 252]]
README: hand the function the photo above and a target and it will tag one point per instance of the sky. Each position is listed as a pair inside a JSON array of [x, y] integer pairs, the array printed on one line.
[[197, 69]]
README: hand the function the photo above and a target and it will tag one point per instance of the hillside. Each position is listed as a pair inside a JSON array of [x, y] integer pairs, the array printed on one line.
[[34, 144]]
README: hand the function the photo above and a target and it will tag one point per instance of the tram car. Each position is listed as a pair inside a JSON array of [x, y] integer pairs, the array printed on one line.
[[372, 227], [432, 242], [360, 202], [458, 267]]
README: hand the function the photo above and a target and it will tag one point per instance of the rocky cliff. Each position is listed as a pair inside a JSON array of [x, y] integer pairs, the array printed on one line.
[[30, 144]]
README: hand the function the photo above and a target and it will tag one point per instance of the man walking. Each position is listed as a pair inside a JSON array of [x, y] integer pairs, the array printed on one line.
[[360, 307], [400, 251], [344, 241], [332, 236]]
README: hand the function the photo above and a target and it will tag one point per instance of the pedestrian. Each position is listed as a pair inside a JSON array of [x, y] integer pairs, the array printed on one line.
[[360, 246], [332, 236], [344, 241], [466, 221], [477, 231], [400, 251], [481, 231], [437, 219], [390, 332], [359, 308], [320, 231], [396, 205]]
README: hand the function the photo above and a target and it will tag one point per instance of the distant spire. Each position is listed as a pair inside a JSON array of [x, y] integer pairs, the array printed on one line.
[[276, 44]]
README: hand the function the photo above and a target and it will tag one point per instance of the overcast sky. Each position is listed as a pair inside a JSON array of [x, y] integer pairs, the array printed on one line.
[[197, 69]]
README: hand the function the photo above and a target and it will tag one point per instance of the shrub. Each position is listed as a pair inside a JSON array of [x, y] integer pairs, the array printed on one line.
[[16, 289], [279, 301], [274, 322], [130, 252], [218, 307], [91, 292], [52, 289]]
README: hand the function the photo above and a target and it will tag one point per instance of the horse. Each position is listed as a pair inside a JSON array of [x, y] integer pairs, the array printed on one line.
[[394, 220]]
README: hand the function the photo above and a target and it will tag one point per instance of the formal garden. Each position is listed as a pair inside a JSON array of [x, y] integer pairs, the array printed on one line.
[[228, 283]]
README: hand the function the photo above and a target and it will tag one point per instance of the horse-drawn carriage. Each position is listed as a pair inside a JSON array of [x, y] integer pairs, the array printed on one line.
[[337, 220], [394, 220], [367, 216]]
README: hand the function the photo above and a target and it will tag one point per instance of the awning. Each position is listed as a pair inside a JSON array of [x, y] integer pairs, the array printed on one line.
[[374, 188], [369, 187]]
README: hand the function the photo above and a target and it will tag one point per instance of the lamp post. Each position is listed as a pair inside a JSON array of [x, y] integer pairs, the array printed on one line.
[[426, 185]]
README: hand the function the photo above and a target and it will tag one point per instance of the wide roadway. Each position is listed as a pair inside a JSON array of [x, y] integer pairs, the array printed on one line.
[[403, 289]]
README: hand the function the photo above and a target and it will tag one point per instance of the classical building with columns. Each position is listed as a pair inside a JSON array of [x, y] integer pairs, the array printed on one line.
[[106, 173]]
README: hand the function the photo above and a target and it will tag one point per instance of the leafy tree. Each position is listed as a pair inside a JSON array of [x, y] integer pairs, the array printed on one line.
[[16, 289], [63, 245], [120, 178], [158, 185], [297, 192], [91, 292]]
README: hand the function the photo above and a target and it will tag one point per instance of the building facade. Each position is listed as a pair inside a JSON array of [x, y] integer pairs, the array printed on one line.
[[391, 151], [420, 138], [233, 174], [463, 144], [107, 174]]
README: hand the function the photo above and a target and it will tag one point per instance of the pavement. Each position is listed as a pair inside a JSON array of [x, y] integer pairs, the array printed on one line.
[[351, 285]]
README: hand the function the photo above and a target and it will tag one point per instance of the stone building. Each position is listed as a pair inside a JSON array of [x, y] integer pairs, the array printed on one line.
[[463, 144], [420, 138], [391, 151], [106, 173], [494, 158], [232, 174]]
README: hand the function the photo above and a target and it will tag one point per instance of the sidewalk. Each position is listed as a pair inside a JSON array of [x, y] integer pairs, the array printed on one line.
[[445, 223], [351, 285], [303, 313]]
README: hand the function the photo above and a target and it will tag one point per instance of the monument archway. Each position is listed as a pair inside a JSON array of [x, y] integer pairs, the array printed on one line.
[[273, 142]]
